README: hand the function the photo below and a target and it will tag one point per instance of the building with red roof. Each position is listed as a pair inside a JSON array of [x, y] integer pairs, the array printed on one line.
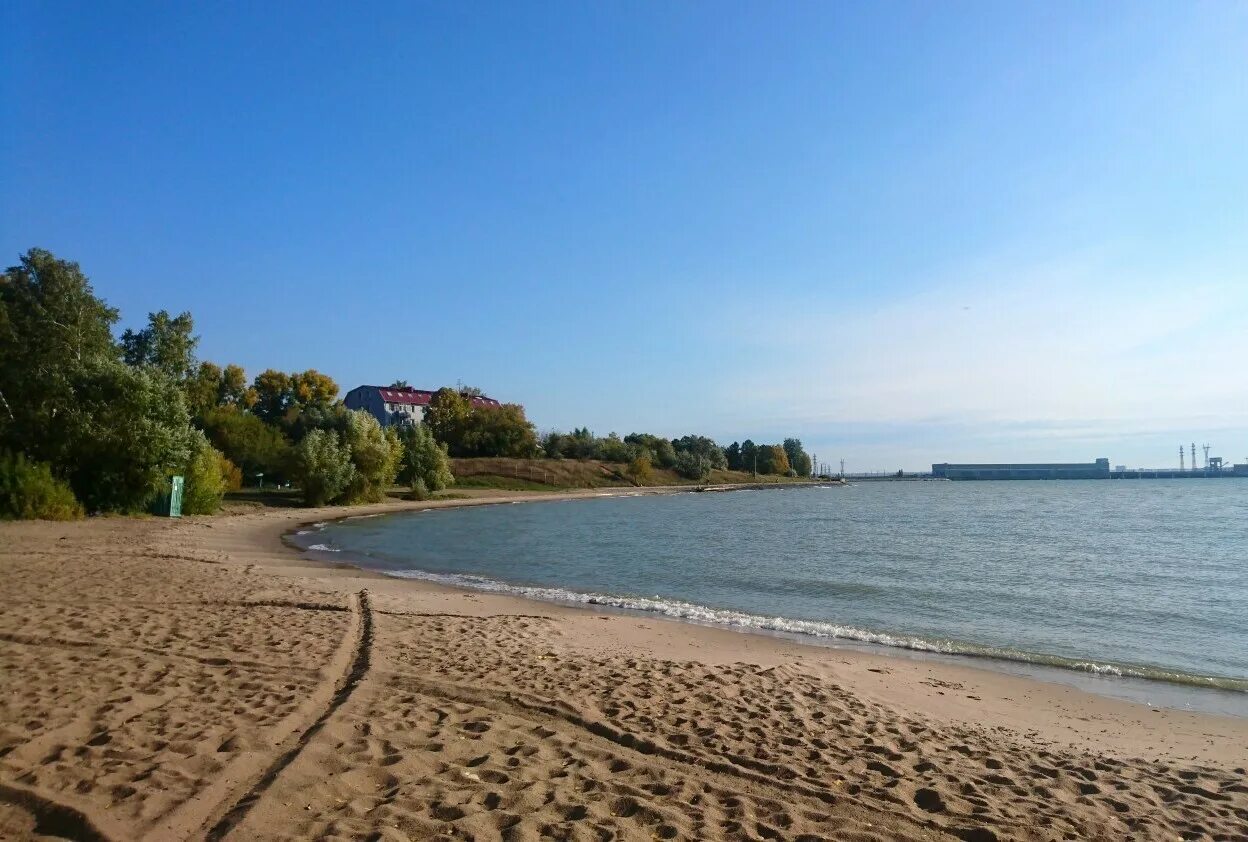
[[393, 405]]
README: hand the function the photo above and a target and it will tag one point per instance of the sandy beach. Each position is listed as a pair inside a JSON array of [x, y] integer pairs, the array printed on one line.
[[199, 679]]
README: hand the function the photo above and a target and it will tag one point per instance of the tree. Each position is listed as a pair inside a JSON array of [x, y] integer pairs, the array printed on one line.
[[499, 431], [612, 449], [400, 384], [702, 446], [772, 459], [732, 453], [322, 467], [311, 388], [274, 395], [165, 344], [424, 459], [51, 325], [233, 390], [692, 465], [375, 453], [114, 432], [203, 389], [126, 434], [749, 455], [640, 470], [799, 460], [252, 445], [447, 418], [660, 448]]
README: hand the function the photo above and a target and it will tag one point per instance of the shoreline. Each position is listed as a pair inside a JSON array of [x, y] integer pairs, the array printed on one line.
[[1182, 693], [202, 679]]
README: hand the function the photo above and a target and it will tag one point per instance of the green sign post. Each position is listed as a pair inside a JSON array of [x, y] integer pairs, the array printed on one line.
[[175, 497]]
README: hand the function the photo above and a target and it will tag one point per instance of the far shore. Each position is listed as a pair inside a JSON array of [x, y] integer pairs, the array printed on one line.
[[202, 679]]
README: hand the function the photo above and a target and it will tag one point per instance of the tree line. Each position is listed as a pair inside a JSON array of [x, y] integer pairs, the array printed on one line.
[[92, 422]]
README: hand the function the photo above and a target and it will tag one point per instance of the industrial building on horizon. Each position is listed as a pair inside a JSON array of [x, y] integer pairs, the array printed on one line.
[[1214, 468]]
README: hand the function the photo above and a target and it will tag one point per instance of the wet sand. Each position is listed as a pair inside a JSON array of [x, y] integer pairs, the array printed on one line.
[[198, 679]]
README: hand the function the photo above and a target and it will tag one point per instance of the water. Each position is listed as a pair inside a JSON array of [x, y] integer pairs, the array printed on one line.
[[1113, 579]]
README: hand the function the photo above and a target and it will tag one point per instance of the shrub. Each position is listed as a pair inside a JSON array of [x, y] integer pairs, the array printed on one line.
[[639, 470], [232, 474], [420, 491], [254, 446], [375, 453], [425, 460], [322, 467], [693, 466], [29, 491], [205, 478]]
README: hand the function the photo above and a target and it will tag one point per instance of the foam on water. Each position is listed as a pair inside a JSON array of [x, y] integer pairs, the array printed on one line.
[[677, 609]]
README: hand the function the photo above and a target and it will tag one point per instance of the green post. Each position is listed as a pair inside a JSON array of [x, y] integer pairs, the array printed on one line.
[[175, 497]]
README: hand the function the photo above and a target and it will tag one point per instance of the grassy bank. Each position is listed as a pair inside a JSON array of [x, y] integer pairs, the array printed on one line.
[[553, 474]]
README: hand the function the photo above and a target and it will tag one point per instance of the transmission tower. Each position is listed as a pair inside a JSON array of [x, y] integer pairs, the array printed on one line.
[[1205, 448], [1193, 456]]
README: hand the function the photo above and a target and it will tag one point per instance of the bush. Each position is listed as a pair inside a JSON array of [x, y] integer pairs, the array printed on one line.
[[28, 491], [420, 491], [425, 460], [205, 478], [693, 466], [639, 470], [322, 467], [375, 453], [254, 446], [232, 474]]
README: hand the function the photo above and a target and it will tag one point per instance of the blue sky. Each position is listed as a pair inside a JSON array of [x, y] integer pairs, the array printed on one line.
[[903, 232]]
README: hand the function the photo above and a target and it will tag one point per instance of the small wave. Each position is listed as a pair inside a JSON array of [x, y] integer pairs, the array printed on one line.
[[324, 548], [693, 612]]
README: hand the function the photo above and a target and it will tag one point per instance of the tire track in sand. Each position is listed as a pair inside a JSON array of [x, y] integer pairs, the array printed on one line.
[[217, 810], [363, 610]]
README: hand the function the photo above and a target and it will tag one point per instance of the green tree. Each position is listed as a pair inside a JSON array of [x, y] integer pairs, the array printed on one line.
[[51, 326], [732, 454], [749, 455], [702, 446], [447, 418], [376, 454], [424, 459], [252, 445], [126, 434], [692, 465], [274, 395], [500, 431], [799, 460], [166, 344], [322, 467], [612, 449]]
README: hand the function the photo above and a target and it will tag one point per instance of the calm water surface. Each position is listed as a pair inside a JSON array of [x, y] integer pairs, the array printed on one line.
[[1116, 579]]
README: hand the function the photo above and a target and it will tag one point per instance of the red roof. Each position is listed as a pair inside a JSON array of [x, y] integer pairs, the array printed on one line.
[[421, 397]]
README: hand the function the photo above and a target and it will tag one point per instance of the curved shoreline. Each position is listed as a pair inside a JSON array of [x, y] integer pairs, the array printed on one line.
[[1149, 685], [167, 674]]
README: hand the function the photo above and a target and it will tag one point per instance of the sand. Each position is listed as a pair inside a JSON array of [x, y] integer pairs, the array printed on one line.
[[197, 679]]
